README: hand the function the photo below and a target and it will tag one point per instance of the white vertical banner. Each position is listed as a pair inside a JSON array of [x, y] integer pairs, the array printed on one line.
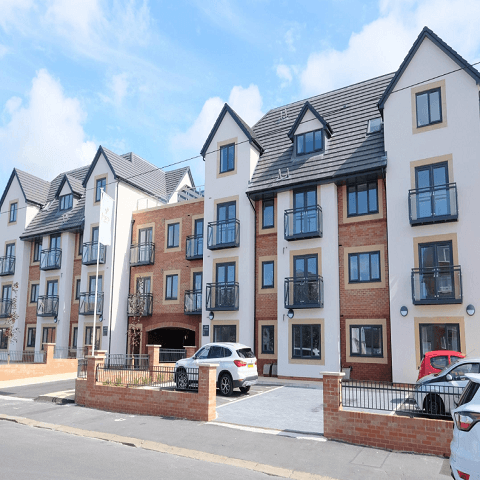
[[105, 226]]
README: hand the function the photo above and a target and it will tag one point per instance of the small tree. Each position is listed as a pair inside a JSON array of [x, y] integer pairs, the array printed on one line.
[[136, 309], [11, 332]]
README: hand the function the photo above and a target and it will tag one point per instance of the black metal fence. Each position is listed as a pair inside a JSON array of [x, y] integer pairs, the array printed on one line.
[[126, 361], [172, 355], [22, 357], [82, 368], [160, 377], [402, 399], [65, 352]]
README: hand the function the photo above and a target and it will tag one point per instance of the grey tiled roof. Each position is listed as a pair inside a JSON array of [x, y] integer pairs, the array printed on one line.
[[77, 173], [76, 184], [349, 150], [35, 189], [174, 177]]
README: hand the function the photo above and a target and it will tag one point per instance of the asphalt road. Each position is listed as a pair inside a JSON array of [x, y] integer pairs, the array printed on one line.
[[35, 390]]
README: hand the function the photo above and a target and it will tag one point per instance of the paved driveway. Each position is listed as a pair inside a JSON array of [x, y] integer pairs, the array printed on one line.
[[293, 409]]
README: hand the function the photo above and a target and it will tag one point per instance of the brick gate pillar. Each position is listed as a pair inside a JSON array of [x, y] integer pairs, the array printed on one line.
[[332, 399], [207, 390], [190, 351]]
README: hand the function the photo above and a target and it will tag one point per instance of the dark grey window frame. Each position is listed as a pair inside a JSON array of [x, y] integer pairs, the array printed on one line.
[[63, 200], [37, 249], [363, 355], [12, 216], [356, 185], [267, 204], [36, 288], [51, 331], [422, 353], [311, 326], [374, 252], [227, 147], [173, 225], [80, 243], [99, 184], [31, 337], [77, 289], [167, 277], [75, 337], [315, 149], [218, 327], [272, 328], [268, 262], [428, 92], [3, 339]]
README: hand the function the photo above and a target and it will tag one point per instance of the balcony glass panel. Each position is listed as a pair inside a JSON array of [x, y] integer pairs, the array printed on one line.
[[437, 285], [304, 292], [193, 302], [433, 204], [5, 307], [86, 304], [140, 305], [47, 306], [7, 265], [223, 234], [51, 259], [194, 247], [142, 254], [90, 252], [305, 222], [222, 296]]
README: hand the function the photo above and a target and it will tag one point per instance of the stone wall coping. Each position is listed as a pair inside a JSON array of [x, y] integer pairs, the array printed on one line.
[[158, 346], [333, 374]]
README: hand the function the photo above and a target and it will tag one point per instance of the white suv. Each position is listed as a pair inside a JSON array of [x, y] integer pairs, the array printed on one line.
[[237, 367], [465, 446]]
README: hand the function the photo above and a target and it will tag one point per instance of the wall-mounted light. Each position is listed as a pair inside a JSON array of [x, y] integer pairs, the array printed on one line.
[[404, 311], [211, 316], [470, 310], [290, 314], [101, 318], [55, 320]]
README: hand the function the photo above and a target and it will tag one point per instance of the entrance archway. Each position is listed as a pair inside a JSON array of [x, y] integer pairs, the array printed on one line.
[[171, 337]]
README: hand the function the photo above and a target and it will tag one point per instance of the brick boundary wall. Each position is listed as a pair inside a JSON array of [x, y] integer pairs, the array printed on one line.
[[140, 401], [404, 434], [52, 366]]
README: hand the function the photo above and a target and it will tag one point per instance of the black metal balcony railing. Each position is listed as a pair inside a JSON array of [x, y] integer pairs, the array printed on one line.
[[140, 304], [222, 296], [7, 265], [5, 307], [304, 292], [47, 306], [433, 204], [193, 302], [303, 223], [91, 251], [86, 304], [223, 234], [142, 254], [194, 247], [51, 259], [437, 285]]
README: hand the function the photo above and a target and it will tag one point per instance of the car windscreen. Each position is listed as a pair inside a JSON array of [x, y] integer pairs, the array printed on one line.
[[245, 353], [439, 362], [470, 390], [454, 359]]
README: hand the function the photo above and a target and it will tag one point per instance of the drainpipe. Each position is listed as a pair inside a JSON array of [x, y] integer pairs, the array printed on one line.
[[254, 277], [129, 280]]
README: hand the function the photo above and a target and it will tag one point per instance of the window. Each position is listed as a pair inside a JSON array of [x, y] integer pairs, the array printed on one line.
[[77, 289], [31, 337], [34, 293], [7, 292], [433, 195], [374, 125], [366, 341], [439, 337], [48, 335], [309, 142], [80, 243], [268, 339], [429, 107], [55, 242], [100, 185], [225, 288], [92, 283], [306, 341], [226, 227], [227, 158], [362, 199], [10, 250], [89, 335], [3, 338], [171, 292], [37, 249], [268, 214], [74, 337], [267, 275], [173, 235], [225, 333], [364, 267], [66, 202], [13, 212]]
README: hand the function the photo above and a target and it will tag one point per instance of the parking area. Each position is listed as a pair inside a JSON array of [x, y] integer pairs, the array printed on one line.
[[285, 408]]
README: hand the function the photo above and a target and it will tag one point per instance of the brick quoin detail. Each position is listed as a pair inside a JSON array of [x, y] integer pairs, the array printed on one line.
[[404, 434]]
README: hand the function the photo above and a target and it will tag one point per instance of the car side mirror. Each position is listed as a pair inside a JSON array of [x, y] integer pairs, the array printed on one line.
[[449, 378]]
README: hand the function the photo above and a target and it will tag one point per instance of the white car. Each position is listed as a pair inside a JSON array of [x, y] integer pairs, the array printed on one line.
[[237, 367], [438, 393], [465, 446]]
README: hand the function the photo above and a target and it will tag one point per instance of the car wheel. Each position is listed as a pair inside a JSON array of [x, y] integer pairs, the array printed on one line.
[[433, 405], [245, 389], [182, 380], [226, 385]]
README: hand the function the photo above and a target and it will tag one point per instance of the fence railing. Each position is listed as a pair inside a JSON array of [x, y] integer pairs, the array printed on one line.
[[7, 265], [409, 399], [222, 296], [223, 234], [303, 222], [171, 355], [437, 285], [303, 292], [86, 305], [5, 307], [126, 361], [142, 254], [82, 368], [51, 259], [192, 302], [21, 357], [162, 377], [140, 305], [194, 247], [437, 203], [47, 306], [65, 352], [91, 251]]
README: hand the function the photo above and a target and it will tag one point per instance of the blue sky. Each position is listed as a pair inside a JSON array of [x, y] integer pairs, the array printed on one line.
[[151, 77]]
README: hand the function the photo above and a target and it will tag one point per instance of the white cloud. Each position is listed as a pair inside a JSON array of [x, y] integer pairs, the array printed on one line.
[[13, 13], [382, 45], [285, 74], [3, 50], [119, 86], [247, 102], [46, 136]]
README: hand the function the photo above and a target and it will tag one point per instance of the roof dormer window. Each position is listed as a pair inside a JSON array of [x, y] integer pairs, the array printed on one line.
[[66, 202], [309, 142], [374, 125]]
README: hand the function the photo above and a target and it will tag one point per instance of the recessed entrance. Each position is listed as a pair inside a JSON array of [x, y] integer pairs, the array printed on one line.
[[171, 337]]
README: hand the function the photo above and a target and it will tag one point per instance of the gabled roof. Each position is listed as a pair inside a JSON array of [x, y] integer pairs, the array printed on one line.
[[35, 190], [427, 33], [303, 111], [133, 170], [250, 134], [75, 186], [174, 177], [77, 173]]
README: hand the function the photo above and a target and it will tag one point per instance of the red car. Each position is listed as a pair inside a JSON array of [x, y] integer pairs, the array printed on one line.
[[437, 360]]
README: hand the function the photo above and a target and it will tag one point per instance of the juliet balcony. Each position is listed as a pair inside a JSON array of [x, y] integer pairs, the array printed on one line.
[[142, 254], [86, 303], [47, 306], [223, 234], [303, 292], [7, 265], [90, 252], [194, 247], [140, 305], [5, 307], [222, 296], [433, 204], [51, 259], [192, 304], [437, 285], [300, 223]]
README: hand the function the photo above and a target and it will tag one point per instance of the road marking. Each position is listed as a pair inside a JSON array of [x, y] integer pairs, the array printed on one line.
[[4, 397], [163, 448], [248, 397]]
